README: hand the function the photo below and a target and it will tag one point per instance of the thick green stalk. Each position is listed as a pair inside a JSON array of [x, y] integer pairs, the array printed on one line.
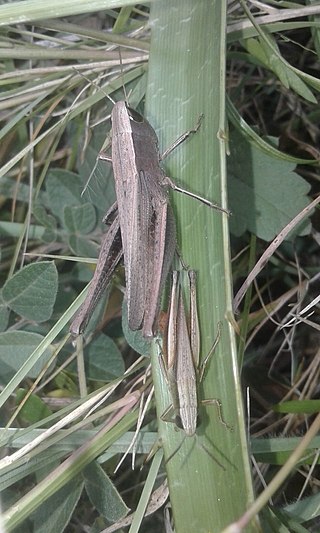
[[186, 79]]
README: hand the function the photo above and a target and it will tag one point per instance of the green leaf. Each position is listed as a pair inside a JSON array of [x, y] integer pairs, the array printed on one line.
[[264, 193], [267, 52], [102, 493], [80, 219], [103, 359], [271, 523], [277, 450], [65, 385], [4, 317], [81, 246], [9, 189], [138, 91], [298, 85], [34, 408], [306, 509], [277, 66], [276, 520], [295, 406], [32, 291], [47, 221], [55, 513], [179, 90], [63, 188], [41, 216], [15, 348], [255, 49], [266, 145], [49, 236], [134, 338]]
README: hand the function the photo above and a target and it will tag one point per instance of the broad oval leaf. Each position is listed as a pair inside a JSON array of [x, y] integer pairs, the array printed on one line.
[[15, 348], [265, 194], [134, 338], [82, 246], [63, 188], [4, 317], [55, 512], [80, 218], [34, 409], [103, 359], [32, 291], [103, 494]]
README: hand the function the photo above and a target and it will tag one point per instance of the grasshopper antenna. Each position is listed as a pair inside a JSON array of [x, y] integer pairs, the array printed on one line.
[[122, 78], [90, 83]]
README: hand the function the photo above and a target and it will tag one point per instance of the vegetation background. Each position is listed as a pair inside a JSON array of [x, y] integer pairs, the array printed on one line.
[[68, 414]]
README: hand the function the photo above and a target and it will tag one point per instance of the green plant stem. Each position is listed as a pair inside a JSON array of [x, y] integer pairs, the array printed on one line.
[[186, 79]]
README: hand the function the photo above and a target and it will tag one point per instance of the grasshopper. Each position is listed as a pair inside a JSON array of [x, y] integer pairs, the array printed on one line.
[[181, 365], [146, 219], [147, 224], [143, 229]]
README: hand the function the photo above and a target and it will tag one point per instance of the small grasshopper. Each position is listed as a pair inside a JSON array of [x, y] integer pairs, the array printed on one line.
[[182, 368]]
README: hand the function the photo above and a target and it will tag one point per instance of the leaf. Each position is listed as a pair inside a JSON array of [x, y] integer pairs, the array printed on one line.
[[265, 144], [34, 408], [65, 385], [264, 193], [102, 493], [103, 359], [298, 85], [138, 91], [279, 68], [82, 246], [49, 236], [80, 219], [253, 46], [9, 189], [63, 188], [304, 509], [55, 513], [267, 52], [32, 291], [47, 221], [271, 522], [296, 406], [4, 317], [41, 216], [134, 338], [83, 272], [15, 348]]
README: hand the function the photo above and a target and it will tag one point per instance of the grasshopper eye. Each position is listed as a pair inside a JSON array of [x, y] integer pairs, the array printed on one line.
[[134, 115]]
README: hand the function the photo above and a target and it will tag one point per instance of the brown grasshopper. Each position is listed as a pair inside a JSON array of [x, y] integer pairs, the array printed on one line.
[[146, 220], [144, 227]]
